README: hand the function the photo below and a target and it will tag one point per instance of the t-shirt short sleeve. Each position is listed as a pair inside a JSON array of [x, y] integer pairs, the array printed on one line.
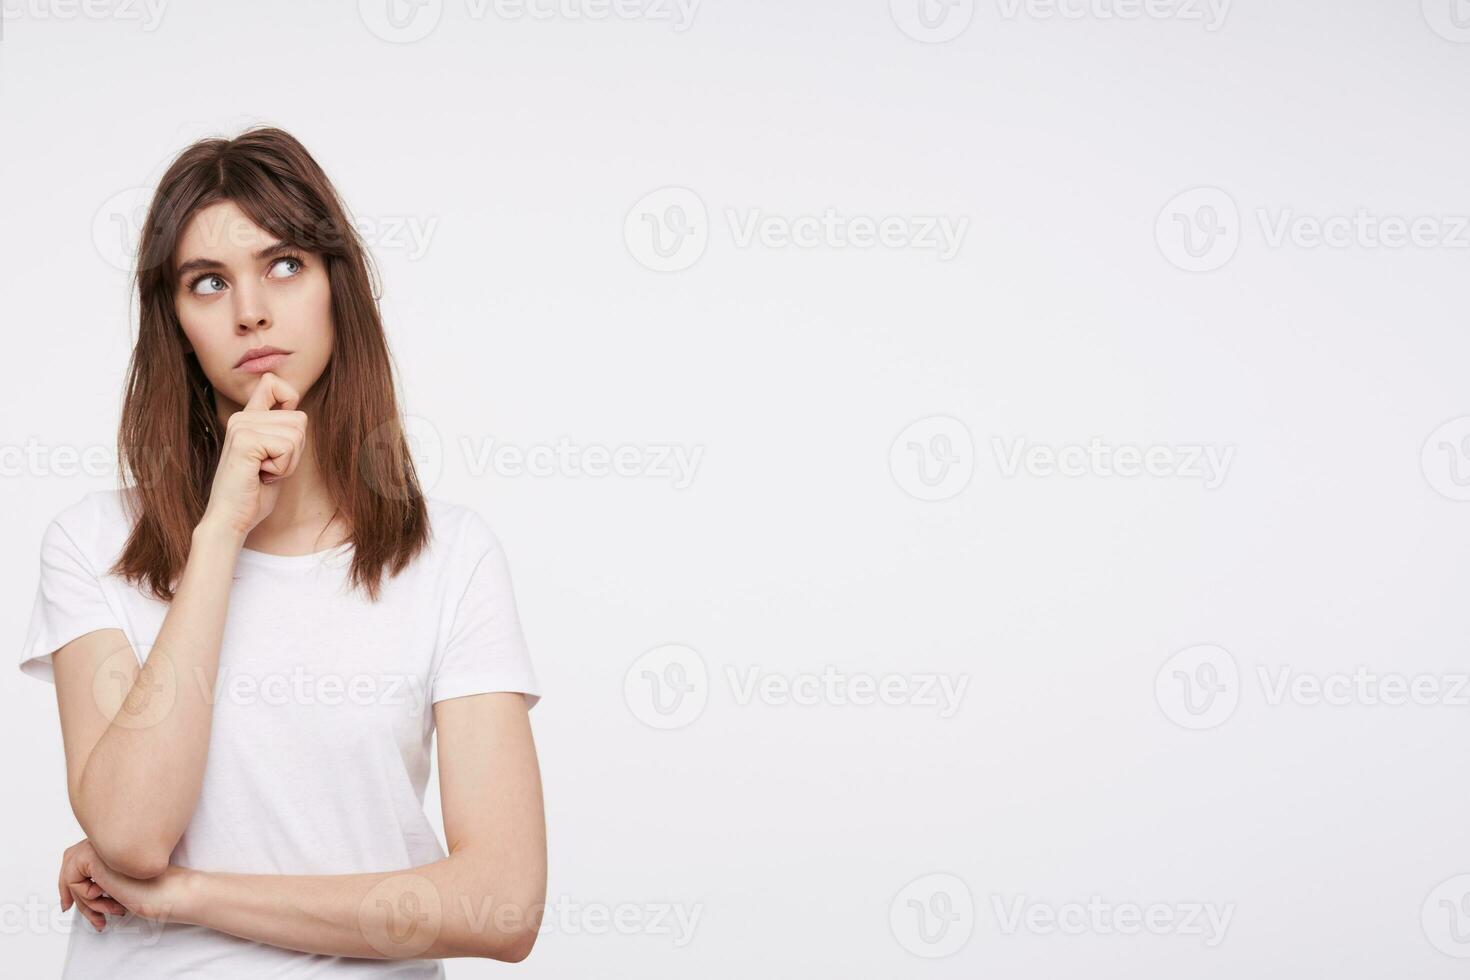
[[484, 650], [69, 602]]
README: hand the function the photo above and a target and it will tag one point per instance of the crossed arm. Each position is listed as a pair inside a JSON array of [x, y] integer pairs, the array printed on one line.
[[484, 899], [135, 744], [122, 726]]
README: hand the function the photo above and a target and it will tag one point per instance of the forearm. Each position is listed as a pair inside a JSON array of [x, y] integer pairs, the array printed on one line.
[[462, 905], [141, 782]]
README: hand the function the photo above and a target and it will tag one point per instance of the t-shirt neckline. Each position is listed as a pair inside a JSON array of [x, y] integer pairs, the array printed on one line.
[[294, 561]]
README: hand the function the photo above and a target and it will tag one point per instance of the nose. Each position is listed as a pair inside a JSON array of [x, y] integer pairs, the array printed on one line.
[[250, 310]]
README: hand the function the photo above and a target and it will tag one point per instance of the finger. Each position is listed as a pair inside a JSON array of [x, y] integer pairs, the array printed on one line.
[[288, 394], [293, 461], [263, 397], [98, 920], [258, 424], [272, 390], [105, 904], [280, 464], [70, 875], [246, 428], [292, 458], [109, 906], [87, 868], [262, 447], [275, 417], [247, 417]]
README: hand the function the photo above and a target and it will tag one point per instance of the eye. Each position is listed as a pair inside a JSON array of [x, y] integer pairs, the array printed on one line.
[[214, 283], [286, 267]]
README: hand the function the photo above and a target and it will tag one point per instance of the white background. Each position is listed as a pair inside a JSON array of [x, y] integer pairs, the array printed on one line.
[[1073, 771]]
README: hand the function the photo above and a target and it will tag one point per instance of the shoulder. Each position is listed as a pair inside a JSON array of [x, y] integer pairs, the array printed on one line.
[[96, 526], [458, 530], [94, 510]]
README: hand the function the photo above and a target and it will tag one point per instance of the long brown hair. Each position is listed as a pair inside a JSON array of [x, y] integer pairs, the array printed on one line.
[[169, 440]]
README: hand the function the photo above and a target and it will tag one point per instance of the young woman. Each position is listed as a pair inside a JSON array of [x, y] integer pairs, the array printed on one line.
[[254, 641]]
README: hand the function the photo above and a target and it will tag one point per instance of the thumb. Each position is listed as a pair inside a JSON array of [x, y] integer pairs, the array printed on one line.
[[89, 866]]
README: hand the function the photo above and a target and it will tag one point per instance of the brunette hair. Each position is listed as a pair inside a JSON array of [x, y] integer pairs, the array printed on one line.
[[169, 439]]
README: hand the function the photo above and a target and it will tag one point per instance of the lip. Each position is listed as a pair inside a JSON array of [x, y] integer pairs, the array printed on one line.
[[258, 360]]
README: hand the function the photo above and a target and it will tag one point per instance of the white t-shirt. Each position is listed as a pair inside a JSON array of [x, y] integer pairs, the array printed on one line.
[[319, 747]]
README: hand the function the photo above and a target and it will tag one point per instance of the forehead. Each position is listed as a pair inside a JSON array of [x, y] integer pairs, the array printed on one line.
[[220, 231]]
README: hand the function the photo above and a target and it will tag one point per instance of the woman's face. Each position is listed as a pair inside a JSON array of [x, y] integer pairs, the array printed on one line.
[[238, 289]]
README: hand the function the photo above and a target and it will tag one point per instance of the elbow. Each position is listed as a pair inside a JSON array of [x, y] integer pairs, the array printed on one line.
[[512, 904], [521, 944], [137, 862], [138, 859], [124, 848], [510, 946], [510, 936], [511, 932]]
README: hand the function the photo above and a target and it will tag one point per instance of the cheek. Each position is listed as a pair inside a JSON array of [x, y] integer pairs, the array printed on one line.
[[312, 312], [202, 332]]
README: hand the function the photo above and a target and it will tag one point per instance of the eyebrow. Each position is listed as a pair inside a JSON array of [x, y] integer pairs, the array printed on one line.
[[199, 265]]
